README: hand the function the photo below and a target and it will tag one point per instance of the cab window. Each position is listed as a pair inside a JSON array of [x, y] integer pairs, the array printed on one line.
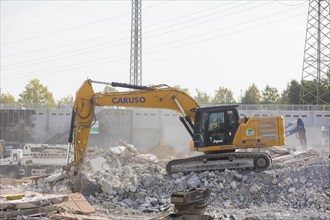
[[216, 129]]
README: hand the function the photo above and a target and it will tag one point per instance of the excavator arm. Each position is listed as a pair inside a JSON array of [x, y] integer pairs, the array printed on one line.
[[299, 129], [83, 116]]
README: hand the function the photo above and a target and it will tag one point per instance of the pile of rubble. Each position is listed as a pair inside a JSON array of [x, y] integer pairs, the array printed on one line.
[[297, 186]]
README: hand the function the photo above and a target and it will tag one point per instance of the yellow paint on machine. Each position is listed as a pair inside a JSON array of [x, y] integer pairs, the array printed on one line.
[[15, 197]]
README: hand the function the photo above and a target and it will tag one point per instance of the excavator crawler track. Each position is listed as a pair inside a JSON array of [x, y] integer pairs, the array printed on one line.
[[220, 161]]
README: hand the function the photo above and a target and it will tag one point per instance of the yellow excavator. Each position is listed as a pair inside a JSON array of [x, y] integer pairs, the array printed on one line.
[[216, 131]]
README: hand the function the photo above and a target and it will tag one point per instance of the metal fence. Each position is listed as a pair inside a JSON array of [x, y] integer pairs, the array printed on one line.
[[276, 107], [32, 106], [259, 107]]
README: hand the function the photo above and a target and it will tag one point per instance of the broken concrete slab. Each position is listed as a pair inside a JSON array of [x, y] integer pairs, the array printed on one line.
[[32, 200], [55, 177], [67, 216], [32, 203], [98, 164], [77, 203], [12, 214]]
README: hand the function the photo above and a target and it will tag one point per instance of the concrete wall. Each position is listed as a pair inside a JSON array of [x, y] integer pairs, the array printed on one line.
[[310, 118], [173, 131], [146, 128], [114, 125], [141, 127], [17, 126], [153, 127], [51, 126]]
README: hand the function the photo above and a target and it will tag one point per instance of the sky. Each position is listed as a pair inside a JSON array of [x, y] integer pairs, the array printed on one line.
[[195, 44]]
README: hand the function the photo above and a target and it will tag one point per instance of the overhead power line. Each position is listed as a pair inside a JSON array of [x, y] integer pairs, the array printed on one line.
[[65, 29], [23, 8], [209, 15], [292, 5], [103, 46], [202, 22], [108, 35], [217, 36], [70, 54], [75, 27], [116, 57], [43, 14]]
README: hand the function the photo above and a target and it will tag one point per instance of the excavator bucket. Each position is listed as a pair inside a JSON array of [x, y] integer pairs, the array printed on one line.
[[190, 204], [84, 186]]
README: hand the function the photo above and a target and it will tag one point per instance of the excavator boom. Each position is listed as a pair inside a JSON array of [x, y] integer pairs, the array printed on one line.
[[160, 96]]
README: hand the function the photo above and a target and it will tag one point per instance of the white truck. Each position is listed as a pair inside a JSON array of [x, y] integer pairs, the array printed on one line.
[[32, 160]]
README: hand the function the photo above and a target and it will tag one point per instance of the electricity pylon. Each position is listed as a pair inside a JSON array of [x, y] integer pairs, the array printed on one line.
[[135, 76], [315, 88]]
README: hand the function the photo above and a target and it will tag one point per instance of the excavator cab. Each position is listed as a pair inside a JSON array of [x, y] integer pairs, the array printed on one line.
[[215, 126]]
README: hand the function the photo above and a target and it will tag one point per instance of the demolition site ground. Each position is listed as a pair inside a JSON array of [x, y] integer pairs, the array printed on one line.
[[128, 184]]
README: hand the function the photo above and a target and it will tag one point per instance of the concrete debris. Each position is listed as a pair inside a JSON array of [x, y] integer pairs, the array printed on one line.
[[31, 203], [55, 177], [297, 186], [98, 164], [77, 203], [193, 181], [280, 151], [163, 151], [233, 185], [117, 150], [254, 189]]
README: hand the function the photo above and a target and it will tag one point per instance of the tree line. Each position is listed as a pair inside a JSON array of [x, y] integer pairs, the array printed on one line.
[[36, 93]]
